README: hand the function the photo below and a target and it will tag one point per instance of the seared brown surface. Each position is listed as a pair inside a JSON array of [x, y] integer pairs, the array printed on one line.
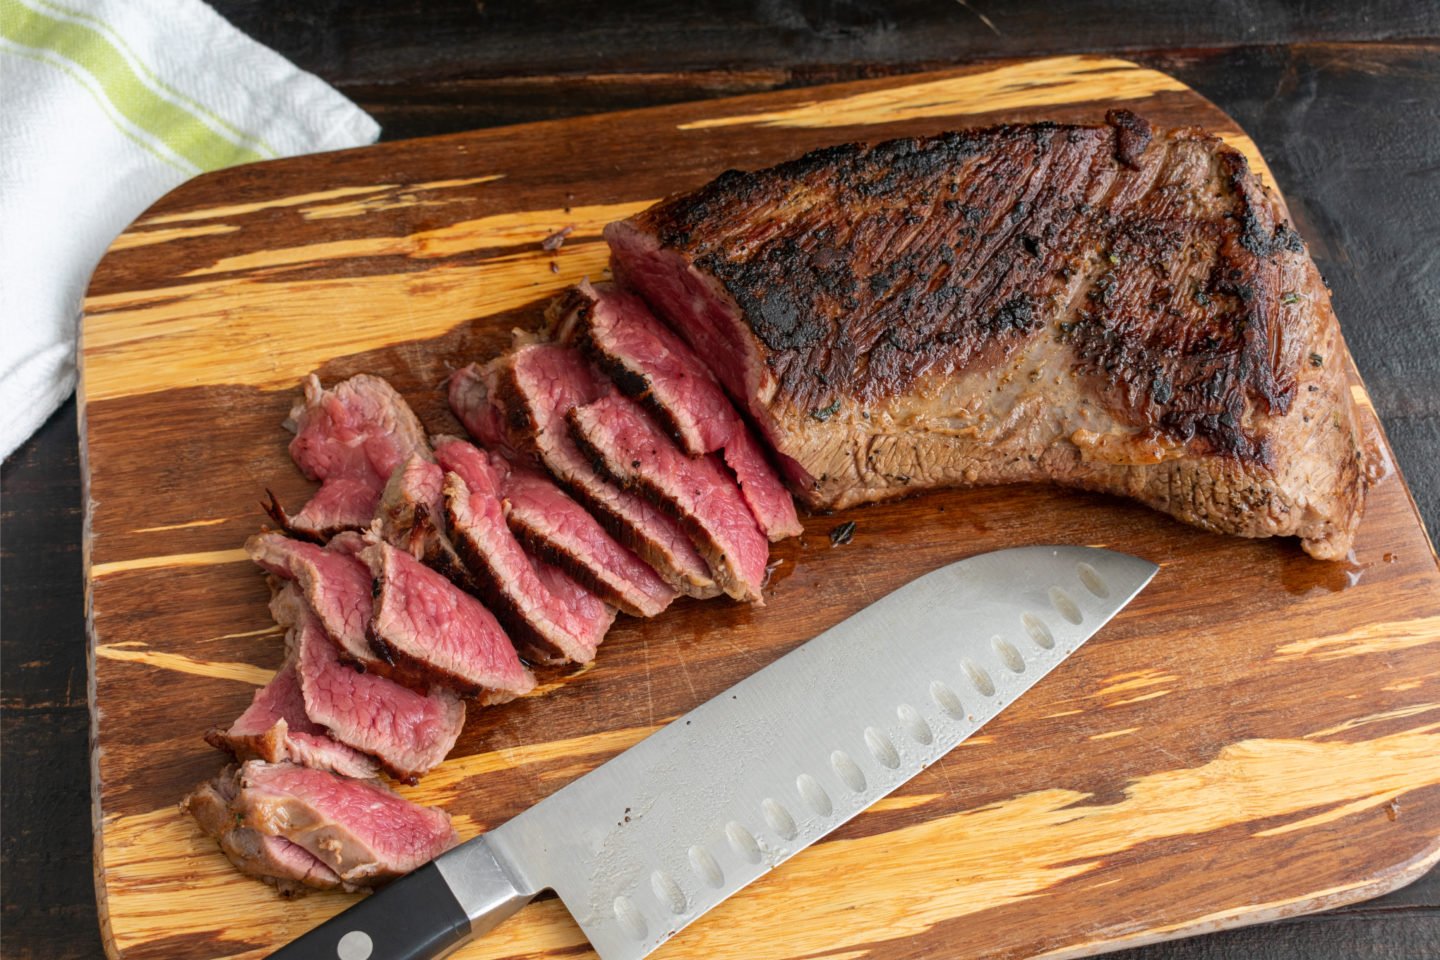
[[1106, 306]]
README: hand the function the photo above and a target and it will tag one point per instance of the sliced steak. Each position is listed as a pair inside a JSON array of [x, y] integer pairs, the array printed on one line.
[[430, 629], [548, 626], [411, 517], [536, 385], [549, 522], [291, 869], [335, 582], [625, 442], [350, 438], [480, 414], [275, 728], [360, 830], [559, 530], [648, 361], [1106, 307], [408, 732], [410, 502]]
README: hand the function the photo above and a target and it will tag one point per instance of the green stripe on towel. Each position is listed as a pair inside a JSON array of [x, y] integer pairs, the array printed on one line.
[[174, 126]]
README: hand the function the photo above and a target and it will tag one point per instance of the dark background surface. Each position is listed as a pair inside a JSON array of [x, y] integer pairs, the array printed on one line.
[[1343, 99]]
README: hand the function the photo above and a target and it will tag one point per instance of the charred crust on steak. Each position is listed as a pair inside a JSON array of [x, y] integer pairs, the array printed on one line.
[[383, 650], [865, 269], [532, 645], [1132, 136], [272, 508]]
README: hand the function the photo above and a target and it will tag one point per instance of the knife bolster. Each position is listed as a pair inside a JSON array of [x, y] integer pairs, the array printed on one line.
[[484, 888]]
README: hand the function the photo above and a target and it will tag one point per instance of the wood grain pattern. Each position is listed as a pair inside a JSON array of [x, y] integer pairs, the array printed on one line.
[[1258, 735]]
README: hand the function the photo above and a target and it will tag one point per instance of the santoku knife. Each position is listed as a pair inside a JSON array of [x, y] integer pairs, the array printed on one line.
[[643, 845]]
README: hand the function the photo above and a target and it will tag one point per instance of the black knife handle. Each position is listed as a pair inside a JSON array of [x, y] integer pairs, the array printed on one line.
[[414, 918]]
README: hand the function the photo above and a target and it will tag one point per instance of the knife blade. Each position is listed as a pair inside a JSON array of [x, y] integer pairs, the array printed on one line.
[[646, 843]]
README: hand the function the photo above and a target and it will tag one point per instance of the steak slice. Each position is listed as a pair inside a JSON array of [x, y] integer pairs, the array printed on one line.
[[535, 386], [335, 583], [409, 504], [549, 522], [430, 629], [350, 438], [549, 626], [1105, 307], [358, 829], [289, 868], [408, 732], [648, 361], [631, 448], [411, 517], [557, 529], [275, 728]]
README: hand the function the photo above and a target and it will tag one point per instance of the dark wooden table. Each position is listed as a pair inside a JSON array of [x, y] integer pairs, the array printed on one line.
[[1343, 98]]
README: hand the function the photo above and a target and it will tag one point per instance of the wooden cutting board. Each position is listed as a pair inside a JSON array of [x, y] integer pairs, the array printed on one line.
[[1257, 736]]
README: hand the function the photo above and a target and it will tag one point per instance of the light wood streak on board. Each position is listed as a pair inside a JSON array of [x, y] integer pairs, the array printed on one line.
[[408, 198], [1140, 699], [145, 238], [242, 672], [521, 228], [203, 558], [902, 801], [1062, 80], [1338, 812], [296, 200], [155, 857], [1399, 713], [182, 526], [1133, 680], [272, 630], [1372, 638], [443, 783], [246, 331], [242, 209]]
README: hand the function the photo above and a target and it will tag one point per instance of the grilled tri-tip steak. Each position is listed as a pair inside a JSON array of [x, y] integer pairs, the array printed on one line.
[[350, 438], [649, 362], [547, 626], [631, 449], [336, 583], [549, 522], [432, 631], [275, 728], [407, 731], [1106, 307], [360, 830], [535, 386]]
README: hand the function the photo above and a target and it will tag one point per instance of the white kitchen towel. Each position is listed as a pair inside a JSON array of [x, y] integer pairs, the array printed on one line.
[[105, 105]]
